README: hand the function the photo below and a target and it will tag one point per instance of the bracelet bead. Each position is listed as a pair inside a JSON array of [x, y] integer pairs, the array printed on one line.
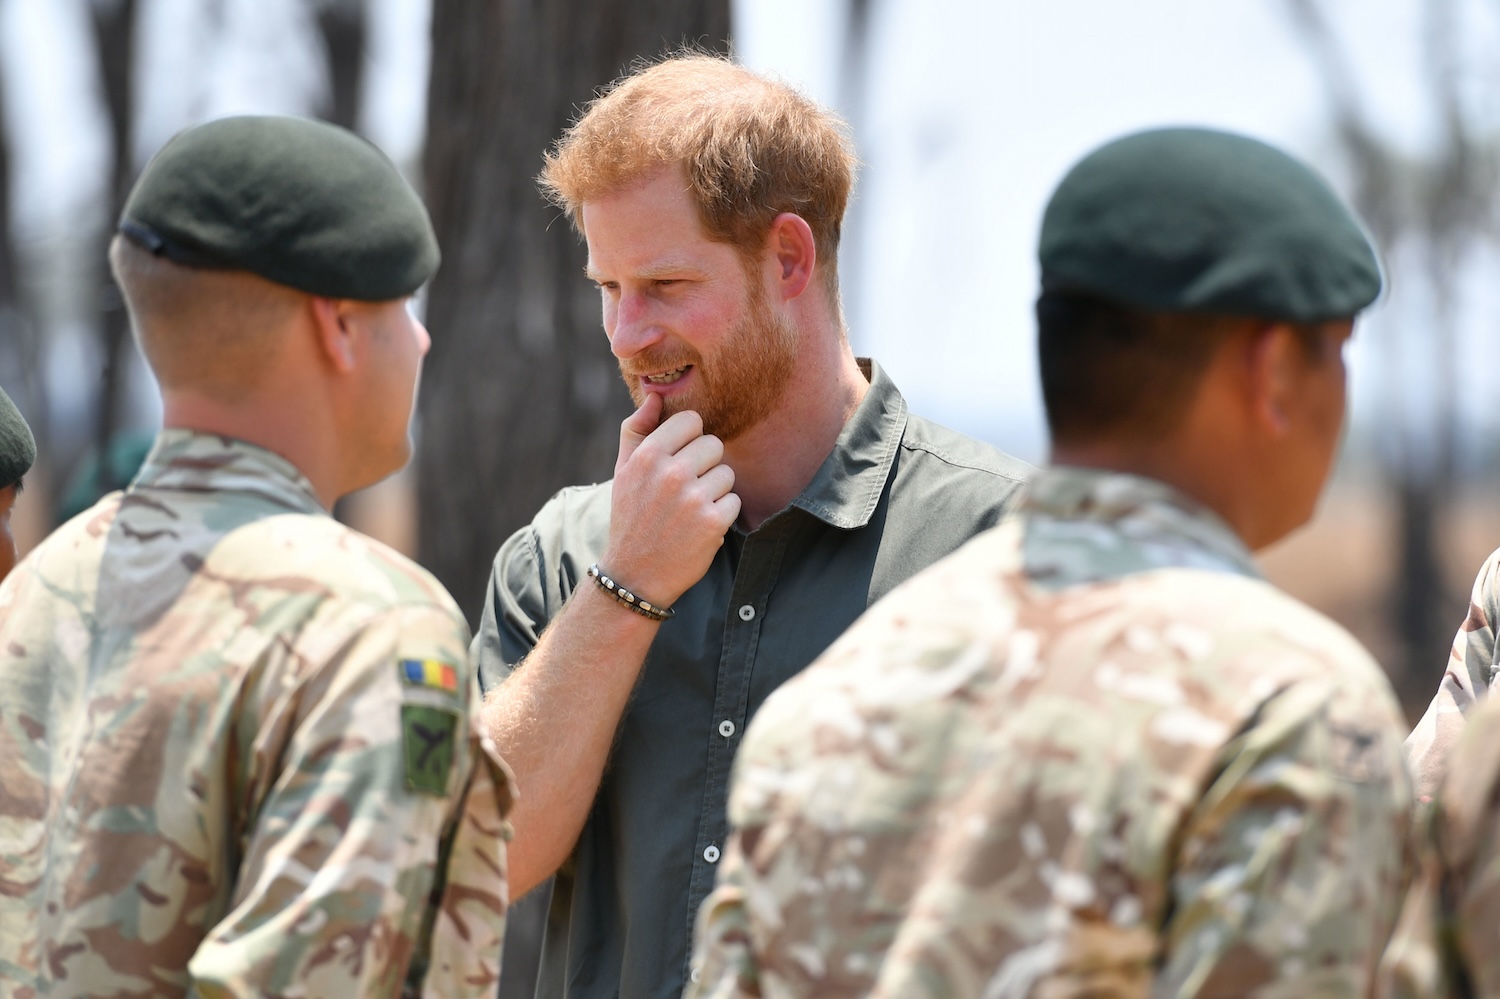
[[626, 597]]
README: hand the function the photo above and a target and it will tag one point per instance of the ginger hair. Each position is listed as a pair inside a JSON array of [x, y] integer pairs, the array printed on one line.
[[752, 148]]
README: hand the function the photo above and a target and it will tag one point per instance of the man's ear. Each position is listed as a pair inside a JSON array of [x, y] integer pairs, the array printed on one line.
[[1273, 363], [795, 251], [334, 331]]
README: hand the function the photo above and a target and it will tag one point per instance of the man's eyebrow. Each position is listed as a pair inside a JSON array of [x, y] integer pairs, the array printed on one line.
[[666, 268]]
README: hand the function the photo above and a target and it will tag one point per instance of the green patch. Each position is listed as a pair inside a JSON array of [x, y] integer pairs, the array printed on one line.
[[428, 734]]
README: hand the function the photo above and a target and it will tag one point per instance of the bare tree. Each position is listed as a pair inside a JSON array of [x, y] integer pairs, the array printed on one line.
[[342, 26], [1434, 209], [20, 349], [114, 34]]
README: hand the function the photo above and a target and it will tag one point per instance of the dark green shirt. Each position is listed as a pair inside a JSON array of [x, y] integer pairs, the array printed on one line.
[[896, 494]]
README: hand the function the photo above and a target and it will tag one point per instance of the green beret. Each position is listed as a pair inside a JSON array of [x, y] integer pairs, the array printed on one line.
[[302, 203], [17, 446], [1196, 220]]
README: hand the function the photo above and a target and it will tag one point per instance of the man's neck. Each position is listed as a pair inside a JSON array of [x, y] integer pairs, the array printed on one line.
[[1194, 466], [284, 429], [776, 459]]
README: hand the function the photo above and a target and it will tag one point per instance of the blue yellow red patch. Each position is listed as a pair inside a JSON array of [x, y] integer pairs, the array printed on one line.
[[430, 673]]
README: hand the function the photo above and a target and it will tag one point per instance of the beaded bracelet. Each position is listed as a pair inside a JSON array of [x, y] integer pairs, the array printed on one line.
[[629, 599]]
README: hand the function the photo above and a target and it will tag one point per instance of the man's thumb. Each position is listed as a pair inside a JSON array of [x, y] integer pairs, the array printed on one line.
[[638, 426]]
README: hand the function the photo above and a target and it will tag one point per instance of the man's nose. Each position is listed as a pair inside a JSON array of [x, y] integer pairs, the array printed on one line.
[[636, 326]]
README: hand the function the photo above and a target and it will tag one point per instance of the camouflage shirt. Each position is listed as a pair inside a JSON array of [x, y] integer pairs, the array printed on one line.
[[1471, 669], [239, 752], [1089, 754], [1446, 944]]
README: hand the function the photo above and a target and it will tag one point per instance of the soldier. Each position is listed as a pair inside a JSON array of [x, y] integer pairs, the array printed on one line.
[[1471, 668], [17, 453], [239, 750], [1093, 752], [768, 489], [1445, 945]]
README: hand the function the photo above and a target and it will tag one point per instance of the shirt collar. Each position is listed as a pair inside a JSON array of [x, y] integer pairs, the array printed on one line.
[[1086, 525], [190, 461], [848, 485]]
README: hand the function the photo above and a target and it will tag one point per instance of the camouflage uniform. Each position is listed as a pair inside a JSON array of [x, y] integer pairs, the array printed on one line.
[[1448, 942], [239, 752], [1090, 753], [1472, 667]]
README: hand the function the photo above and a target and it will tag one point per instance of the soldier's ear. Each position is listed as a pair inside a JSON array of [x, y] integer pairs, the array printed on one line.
[[334, 331], [1274, 360]]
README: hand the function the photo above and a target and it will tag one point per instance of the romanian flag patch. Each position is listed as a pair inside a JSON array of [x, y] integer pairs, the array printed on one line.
[[430, 673]]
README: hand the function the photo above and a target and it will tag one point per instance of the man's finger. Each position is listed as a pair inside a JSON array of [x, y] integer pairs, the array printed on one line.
[[638, 426], [675, 432], [718, 481], [728, 506], [702, 453]]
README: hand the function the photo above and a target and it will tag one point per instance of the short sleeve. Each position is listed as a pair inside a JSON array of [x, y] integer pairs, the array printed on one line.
[[515, 609], [534, 574], [371, 753]]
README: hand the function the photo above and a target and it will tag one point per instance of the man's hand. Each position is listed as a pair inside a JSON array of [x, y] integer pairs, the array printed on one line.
[[671, 506]]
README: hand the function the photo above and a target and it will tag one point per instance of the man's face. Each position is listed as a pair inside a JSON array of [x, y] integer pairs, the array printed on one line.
[[8, 552], [687, 317], [396, 344]]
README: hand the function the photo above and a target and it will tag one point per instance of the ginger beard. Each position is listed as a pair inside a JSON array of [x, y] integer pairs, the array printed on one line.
[[739, 384]]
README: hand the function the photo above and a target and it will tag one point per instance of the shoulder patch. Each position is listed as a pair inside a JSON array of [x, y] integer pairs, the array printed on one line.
[[429, 673], [427, 737]]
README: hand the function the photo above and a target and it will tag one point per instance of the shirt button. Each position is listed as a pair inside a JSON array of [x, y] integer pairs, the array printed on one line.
[[711, 854], [726, 728], [696, 974], [747, 613]]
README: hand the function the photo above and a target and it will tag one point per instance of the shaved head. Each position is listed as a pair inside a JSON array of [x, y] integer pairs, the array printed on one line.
[[207, 330]]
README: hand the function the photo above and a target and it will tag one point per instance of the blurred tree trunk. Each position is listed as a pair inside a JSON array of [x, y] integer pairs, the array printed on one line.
[[20, 352], [520, 394], [114, 33], [342, 25]]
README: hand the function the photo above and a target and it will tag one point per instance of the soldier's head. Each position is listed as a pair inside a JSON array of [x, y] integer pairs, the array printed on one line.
[[17, 454], [697, 175], [1197, 290], [267, 263]]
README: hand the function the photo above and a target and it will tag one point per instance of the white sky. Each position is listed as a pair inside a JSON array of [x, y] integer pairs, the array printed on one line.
[[975, 109]]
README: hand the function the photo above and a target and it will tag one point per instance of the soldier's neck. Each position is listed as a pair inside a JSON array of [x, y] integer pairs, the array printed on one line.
[[287, 430]]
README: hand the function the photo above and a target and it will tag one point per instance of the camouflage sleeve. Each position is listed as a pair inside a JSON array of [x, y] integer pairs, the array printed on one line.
[[723, 965], [373, 751], [1289, 870], [1417, 962], [1445, 943], [515, 609], [468, 923], [1466, 679]]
